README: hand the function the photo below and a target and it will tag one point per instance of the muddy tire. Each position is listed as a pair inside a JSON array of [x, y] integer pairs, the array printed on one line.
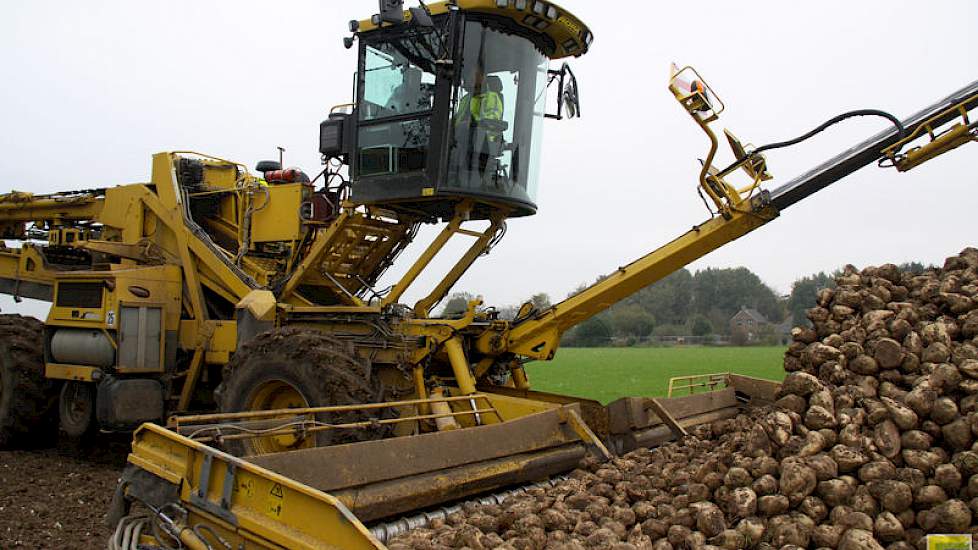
[[76, 412], [294, 368], [28, 401]]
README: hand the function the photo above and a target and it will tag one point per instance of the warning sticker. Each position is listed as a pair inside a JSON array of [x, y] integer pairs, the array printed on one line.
[[275, 498], [247, 488]]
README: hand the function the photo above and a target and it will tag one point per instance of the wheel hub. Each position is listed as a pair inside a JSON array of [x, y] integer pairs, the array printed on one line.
[[274, 395], [76, 408]]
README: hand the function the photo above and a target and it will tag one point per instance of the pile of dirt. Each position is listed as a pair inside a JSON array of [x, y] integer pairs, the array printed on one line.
[[870, 446], [54, 498]]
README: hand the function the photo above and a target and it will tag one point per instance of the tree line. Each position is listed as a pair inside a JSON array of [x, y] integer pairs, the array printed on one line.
[[686, 304]]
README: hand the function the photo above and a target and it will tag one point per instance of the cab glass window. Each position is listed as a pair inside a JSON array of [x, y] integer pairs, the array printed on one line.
[[398, 92], [498, 111], [399, 77]]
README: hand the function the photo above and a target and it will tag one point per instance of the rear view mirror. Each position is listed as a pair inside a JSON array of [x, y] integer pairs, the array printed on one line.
[[569, 97], [568, 94]]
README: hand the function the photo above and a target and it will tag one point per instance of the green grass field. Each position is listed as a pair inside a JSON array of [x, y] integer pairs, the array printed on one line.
[[606, 374]]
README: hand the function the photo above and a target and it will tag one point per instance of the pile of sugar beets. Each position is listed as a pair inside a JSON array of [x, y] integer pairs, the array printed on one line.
[[871, 445]]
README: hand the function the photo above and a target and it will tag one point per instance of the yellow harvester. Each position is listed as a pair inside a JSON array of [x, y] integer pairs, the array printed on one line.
[[241, 309]]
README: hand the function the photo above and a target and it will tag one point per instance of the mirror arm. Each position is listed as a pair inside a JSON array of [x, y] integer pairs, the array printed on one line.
[[560, 96], [555, 74]]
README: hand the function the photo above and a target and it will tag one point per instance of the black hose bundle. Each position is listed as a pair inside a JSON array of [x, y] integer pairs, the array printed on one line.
[[901, 131]]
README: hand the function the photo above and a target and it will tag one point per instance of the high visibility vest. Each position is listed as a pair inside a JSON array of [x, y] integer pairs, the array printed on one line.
[[487, 105]]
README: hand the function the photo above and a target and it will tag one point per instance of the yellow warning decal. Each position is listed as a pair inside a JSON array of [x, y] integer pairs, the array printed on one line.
[[275, 497]]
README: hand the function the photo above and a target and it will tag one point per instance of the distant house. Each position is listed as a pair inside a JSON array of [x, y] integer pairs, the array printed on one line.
[[748, 324]]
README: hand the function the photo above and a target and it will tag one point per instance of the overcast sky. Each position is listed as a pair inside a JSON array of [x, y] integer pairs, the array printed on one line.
[[92, 89]]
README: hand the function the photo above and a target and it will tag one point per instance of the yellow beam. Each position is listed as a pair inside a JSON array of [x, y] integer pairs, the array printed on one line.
[[429, 254], [192, 250], [145, 252], [70, 372], [460, 365], [193, 374], [535, 338], [23, 272], [423, 307], [18, 207]]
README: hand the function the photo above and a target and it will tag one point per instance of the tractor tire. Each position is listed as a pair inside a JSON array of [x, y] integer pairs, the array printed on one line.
[[28, 401], [76, 412], [294, 368]]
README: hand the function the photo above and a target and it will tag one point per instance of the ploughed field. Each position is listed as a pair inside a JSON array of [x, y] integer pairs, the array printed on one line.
[[57, 498]]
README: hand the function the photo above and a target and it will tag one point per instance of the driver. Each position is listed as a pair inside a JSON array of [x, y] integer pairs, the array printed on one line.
[[479, 102]]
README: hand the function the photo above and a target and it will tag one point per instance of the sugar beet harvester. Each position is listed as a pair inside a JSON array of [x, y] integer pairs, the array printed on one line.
[[209, 288], [161, 290]]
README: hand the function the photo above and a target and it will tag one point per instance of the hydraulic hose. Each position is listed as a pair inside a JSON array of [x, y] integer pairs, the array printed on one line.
[[830, 122]]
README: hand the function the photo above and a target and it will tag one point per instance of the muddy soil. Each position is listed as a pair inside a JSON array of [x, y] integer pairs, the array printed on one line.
[[58, 497]]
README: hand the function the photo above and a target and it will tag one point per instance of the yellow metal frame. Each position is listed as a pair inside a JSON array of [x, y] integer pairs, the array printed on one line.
[[18, 208], [56, 371], [180, 422], [244, 503], [684, 89], [706, 382], [26, 272], [570, 36], [538, 338], [145, 226], [483, 239], [939, 142], [355, 245]]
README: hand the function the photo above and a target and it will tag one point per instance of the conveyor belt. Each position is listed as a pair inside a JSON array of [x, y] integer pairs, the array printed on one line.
[[866, 152]]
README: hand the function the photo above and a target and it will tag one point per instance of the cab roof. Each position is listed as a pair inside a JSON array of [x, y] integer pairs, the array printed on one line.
[[569, 35]]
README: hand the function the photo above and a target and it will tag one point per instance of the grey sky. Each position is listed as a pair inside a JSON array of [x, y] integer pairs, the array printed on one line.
[[92, 89]]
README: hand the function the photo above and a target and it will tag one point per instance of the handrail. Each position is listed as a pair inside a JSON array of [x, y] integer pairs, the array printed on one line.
[[305, 426], [178, 421], [711, 381]]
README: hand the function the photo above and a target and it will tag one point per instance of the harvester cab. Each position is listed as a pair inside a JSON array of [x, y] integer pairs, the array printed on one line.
[[449, 105]]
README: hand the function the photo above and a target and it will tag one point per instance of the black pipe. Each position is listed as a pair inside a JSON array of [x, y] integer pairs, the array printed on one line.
[[868, 151]]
